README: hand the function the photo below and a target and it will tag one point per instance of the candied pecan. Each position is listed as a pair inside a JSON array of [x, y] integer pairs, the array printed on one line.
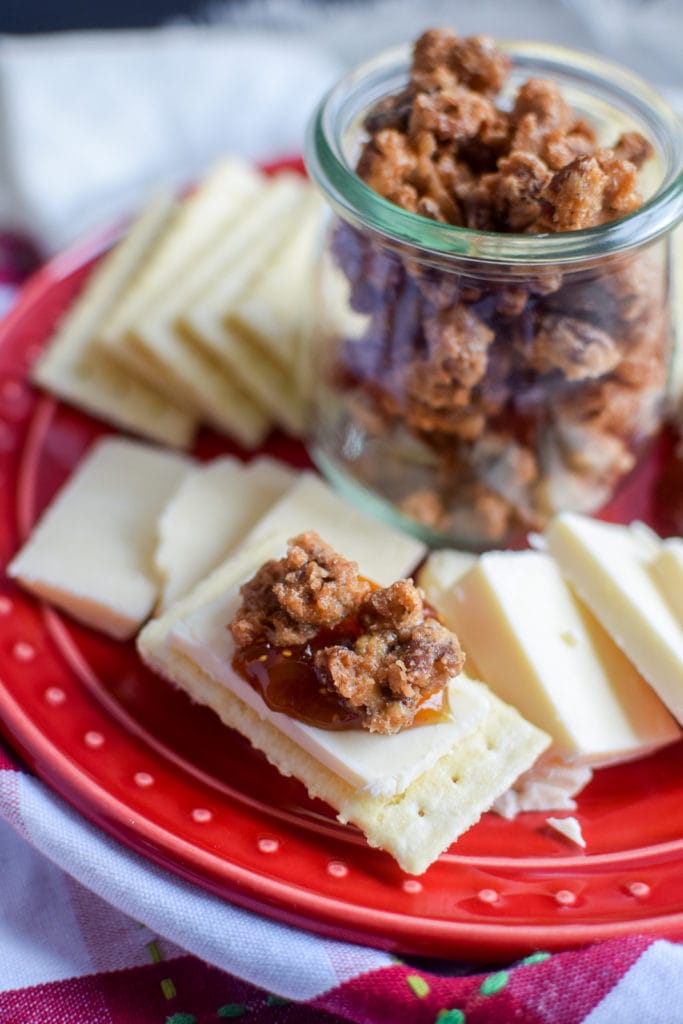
[[634, 147], [398, 607], [574, 196], [476, 61], [575, 347], [644, 363], [393, 666], [542, 98], [480, 514], [424, 505], [452, 114], [431, 51], [506, 469], [458, 343], [521, 180], [385, 163], [290, 599], [608, 406], [477, 198], [390, 112], [620, 194], [428, 420], [512, 301], [560, 148], [480, 64], [590, 452]]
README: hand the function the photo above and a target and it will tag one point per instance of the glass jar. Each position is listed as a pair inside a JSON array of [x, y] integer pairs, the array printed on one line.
[[470, 383]]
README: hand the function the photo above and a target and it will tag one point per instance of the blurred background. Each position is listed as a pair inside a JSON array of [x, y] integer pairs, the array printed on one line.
[[99, 101]]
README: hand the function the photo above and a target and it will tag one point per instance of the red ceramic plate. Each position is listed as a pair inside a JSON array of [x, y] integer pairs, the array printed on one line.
[[166, 778]]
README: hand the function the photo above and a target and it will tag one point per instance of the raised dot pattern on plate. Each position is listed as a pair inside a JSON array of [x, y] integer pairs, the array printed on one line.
[[23, 651], [55, 696]]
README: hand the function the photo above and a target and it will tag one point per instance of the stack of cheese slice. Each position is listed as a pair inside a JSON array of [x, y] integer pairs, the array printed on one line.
[[581, 637], [200, 314], [134, 529]]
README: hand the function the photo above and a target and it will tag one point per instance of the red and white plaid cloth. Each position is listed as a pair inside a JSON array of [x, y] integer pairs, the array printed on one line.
[[91, 933]]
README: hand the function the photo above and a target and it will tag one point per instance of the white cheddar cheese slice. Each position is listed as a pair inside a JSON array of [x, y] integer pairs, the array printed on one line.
[[211, 512], [382, 769], [439, 574], [611, 568], [201, 218], [91, 553], [667, 570], [74, 367], [540, 649], [384, 553]]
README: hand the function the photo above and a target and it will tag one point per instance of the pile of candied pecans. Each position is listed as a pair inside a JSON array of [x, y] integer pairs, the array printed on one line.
[[523, 391]]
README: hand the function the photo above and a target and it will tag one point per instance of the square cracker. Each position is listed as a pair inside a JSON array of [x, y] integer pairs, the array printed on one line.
[[414, 826], [75, 369]]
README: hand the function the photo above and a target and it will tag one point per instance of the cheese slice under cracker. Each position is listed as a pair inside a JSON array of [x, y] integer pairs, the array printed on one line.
[[91, 553], [423, 813], [74, 368]]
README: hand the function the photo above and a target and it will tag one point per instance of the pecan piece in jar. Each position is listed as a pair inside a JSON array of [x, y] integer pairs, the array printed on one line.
[[401, 658], [576, 348], [291, 599]]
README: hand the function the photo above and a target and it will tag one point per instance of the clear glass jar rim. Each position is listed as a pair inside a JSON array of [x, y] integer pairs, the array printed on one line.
[[354, 200]]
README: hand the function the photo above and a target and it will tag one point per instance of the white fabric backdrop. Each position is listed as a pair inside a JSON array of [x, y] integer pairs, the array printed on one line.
[[88, 121]]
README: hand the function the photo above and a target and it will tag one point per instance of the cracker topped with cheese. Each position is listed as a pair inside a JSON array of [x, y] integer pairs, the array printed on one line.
[[355, 689]]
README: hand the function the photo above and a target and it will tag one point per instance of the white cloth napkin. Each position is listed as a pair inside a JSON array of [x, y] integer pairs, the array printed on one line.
[[40, 943], [90, 121]]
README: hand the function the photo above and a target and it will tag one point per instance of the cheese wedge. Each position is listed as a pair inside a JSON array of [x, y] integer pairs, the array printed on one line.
[[539, 648], [91, 553], [412, 794], [610, 566], [211, 512], [310, 504], [75, 369]]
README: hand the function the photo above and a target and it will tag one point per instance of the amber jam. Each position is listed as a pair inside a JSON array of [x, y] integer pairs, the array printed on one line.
[[287, 680]]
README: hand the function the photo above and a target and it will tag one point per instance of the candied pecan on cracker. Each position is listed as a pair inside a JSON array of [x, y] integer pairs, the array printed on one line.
[[400, 659], [291, 599]]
